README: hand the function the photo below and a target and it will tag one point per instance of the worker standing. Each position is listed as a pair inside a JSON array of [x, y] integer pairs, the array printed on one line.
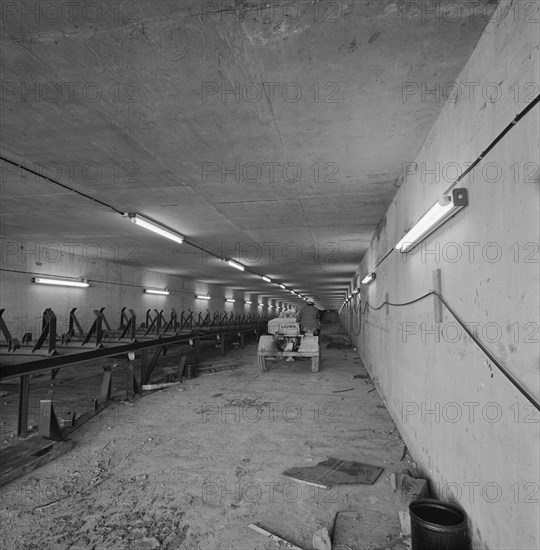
[[308, 317]]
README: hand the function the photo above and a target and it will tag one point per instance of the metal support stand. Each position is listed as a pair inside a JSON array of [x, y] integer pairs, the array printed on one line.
[[106, 385], [74, 322], [97, 328], [49, 426], [222, 340], [132, 386], [128, 325], [13, 343], [24, 401], [48, 331]]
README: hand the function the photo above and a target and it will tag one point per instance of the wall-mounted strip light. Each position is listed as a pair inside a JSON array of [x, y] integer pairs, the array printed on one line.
[[164, 292], [231, 300], [156, 228], [267, 279], [236, 265], [444, 208], [248, 302], [60, 282], [203, 297], [369, 278]]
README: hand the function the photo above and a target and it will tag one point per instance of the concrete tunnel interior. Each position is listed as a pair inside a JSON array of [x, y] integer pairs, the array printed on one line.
[[183, 184]]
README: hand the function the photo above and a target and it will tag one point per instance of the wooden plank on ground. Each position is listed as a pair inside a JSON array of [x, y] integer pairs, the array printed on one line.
[[27, 462], [282, 542]]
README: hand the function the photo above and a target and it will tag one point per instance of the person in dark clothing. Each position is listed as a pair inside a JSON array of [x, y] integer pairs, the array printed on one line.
[[308, 317]]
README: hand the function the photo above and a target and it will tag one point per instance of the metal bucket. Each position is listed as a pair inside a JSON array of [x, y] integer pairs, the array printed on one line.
[[436, 525]]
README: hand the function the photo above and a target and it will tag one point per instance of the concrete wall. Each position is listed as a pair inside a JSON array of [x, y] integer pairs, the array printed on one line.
[[113, 286], [471, 432]]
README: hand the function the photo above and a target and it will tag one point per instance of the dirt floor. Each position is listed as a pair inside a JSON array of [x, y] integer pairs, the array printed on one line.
[[191, 466]]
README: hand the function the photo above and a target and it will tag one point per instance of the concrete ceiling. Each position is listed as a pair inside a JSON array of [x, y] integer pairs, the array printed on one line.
[[133, 110]]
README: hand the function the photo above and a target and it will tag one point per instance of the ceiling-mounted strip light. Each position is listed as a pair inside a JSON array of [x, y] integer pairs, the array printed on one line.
[[164, 292], [267, 279], [283, 286], [369, 278], [444, 208], [248, 302], [231, 300], [236, 265], [60, 282], [355, 291], [156, 228], [261, 304], [203, 297]]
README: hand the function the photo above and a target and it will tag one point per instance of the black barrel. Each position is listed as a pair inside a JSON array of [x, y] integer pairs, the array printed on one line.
[[436, 525]]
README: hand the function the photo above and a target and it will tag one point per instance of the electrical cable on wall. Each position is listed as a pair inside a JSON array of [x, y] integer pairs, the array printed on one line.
[[476, 340], [482, 155]]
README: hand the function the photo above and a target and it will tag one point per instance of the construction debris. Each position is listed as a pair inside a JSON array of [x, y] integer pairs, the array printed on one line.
[[149, 387], [336, 472], [405, 522], [321, 540], [284, 543], [29, 455], [215, 366], [411, 488]]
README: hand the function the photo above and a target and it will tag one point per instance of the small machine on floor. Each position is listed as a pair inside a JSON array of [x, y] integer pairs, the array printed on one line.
[[286, 340]]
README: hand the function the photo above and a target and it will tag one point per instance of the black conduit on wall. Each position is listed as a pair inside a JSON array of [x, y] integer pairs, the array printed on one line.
[[476, 340], [503, 370], [517, 118]]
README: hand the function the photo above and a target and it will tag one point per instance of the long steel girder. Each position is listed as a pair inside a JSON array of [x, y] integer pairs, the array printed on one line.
[[47, 363]]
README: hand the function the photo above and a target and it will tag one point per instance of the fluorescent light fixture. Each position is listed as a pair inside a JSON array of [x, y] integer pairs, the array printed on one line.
[[248, 302], [137, 219], [261, 305], [444, 208], [236, 265], [231, 300], [369, 278], [267, 279], [355, 291], [203, 297], [156, 291], [283, 286], [60, 282]]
